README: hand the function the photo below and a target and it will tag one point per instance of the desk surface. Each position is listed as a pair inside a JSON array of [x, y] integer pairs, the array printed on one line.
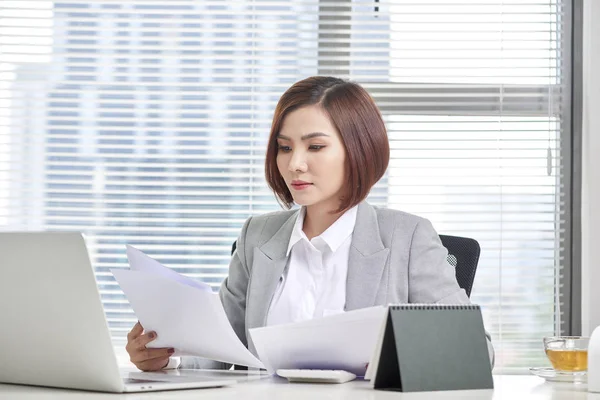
[[509, 387]]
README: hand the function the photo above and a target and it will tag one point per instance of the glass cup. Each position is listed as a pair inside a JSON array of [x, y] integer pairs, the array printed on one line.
[[567, 353]]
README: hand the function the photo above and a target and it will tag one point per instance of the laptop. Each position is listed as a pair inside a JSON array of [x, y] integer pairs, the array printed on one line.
[[53, 330]]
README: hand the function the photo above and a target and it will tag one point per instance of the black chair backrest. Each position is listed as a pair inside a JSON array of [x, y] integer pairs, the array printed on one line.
[[463, 255]]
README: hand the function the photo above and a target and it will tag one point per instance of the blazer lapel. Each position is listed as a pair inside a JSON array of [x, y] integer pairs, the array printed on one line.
[[267, 267], [367, 260]]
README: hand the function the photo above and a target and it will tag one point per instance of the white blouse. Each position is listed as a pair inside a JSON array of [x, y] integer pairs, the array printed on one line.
[[313, 283]]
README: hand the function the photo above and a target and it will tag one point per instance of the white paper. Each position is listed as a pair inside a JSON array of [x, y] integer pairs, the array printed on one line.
[[375, 357], [191, 321], [139, 261], [344, 341]]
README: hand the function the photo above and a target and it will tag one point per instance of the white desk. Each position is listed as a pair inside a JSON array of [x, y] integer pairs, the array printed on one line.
[[508, 387]]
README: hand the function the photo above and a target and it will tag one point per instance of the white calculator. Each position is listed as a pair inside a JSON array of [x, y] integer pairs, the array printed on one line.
[[316, 375]]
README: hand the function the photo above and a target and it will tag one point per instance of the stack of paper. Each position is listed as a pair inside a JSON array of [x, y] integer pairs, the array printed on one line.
[[190, 318], [185, 313], [343, 341]]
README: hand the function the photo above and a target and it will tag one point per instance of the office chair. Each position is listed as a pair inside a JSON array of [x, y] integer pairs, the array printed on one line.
[[463, 255]]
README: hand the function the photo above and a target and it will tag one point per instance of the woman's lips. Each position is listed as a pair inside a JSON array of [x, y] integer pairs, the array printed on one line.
[[301, 186]]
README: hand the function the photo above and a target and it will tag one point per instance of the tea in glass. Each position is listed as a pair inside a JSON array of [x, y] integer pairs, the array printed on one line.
[[568, 360], [567, 353]]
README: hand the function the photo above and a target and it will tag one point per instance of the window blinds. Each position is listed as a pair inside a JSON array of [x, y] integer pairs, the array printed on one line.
[[145, 123]]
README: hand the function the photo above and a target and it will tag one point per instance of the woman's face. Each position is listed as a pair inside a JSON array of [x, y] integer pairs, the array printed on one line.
[[311, 158]]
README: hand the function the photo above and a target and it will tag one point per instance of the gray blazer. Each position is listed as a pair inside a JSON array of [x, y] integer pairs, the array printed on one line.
[[395, 257]]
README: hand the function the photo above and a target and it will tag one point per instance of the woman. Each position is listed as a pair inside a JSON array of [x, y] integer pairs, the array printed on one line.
[[327, 147]]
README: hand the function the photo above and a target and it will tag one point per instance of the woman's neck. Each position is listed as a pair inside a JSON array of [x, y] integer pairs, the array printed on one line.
[[317, 220]]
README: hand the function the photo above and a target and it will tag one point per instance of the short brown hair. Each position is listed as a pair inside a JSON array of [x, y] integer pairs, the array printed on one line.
[[358, 120]]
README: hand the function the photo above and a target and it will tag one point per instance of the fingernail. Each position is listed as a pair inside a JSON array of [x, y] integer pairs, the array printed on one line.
[[151, 335], [171, 351]]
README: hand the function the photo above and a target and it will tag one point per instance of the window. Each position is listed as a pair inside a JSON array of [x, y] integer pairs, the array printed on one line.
[[145, 123]]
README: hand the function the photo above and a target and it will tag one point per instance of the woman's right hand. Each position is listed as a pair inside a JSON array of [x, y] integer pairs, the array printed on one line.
[[143, 358]]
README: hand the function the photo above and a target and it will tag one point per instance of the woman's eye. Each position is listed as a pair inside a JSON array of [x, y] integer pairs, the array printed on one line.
[[315, 147], [285, 149]]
